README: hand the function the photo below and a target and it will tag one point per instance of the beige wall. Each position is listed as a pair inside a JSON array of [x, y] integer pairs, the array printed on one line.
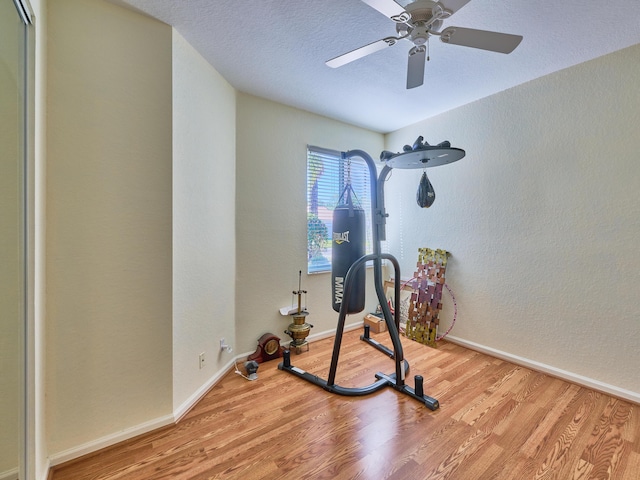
[[204, 170], [141, 219], [542, 217], [109, 254], [271, 228]]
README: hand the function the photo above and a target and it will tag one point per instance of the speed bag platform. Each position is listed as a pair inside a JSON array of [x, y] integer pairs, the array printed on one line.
[[348, 244]]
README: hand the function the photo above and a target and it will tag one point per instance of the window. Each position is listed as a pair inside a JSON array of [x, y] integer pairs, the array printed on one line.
[[327, 175]]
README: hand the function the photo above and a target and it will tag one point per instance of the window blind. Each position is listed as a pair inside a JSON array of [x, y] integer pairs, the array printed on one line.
[[327, 176]]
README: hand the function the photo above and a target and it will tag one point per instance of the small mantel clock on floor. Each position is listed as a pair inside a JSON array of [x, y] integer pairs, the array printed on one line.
[[268, 349]]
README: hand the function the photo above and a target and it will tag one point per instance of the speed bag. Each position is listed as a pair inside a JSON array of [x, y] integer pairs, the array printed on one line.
[[348, 244], [426, 195]]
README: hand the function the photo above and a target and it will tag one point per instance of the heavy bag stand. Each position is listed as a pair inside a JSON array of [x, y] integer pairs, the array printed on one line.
[[422, 157]]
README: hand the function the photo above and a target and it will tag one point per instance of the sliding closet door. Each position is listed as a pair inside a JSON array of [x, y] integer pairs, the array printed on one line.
[[12, 240]]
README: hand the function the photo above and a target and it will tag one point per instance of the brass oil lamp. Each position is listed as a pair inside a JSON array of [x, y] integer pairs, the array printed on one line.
[[299, 329]]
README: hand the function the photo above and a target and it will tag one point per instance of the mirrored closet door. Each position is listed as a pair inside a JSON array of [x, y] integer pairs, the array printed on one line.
[[12, 239]]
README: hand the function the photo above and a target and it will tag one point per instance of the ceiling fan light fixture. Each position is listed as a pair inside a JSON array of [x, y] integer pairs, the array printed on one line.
[[419, 35]]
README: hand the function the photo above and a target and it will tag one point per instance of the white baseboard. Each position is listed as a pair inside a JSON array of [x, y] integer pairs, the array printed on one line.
[[197, 395], [189, 403], [9, 474], [553, 371], [45, 472], [108, 440], [330, 333]]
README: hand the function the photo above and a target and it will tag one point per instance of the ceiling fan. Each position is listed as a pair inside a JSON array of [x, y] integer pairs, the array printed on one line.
[[417, 22]]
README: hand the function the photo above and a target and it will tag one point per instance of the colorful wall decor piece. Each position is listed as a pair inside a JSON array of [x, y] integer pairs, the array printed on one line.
[[426, 300]]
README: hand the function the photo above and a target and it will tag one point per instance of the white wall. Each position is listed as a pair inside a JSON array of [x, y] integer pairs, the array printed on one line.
[[11, 238], [542, 217], [36, 451], [204, 189], [271, 228], [36, 433], [109, 222]]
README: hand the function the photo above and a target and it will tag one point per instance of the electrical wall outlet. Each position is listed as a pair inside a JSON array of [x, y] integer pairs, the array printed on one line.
[[224, 347], [201, 360]]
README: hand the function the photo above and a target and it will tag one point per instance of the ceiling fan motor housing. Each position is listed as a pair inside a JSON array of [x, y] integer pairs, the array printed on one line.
[[425, 17]]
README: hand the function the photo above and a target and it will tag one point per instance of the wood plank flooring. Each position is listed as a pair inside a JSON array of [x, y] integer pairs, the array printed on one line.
[[496, 421]]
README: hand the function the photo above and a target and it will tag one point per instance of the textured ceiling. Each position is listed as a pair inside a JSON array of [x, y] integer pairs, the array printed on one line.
[[276, 49]]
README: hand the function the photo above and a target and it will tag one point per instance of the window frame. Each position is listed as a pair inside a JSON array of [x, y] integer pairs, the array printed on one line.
[[325, 184]]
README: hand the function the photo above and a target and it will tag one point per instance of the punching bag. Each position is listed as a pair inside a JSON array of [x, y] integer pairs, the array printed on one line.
[[426, 194], [348, 244]]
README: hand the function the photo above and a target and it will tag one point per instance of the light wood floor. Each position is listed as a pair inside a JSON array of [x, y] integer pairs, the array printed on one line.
[[496, 421]]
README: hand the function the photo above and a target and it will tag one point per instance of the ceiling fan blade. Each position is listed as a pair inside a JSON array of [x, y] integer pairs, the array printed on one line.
[[483, 39], [390, 9], [415, 68], [454, 5], [361, 52]]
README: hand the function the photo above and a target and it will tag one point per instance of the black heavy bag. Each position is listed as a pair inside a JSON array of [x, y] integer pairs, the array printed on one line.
[[348, 244]]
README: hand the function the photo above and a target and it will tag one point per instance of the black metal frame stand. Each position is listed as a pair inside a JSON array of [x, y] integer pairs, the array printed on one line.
[[395, 380]]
